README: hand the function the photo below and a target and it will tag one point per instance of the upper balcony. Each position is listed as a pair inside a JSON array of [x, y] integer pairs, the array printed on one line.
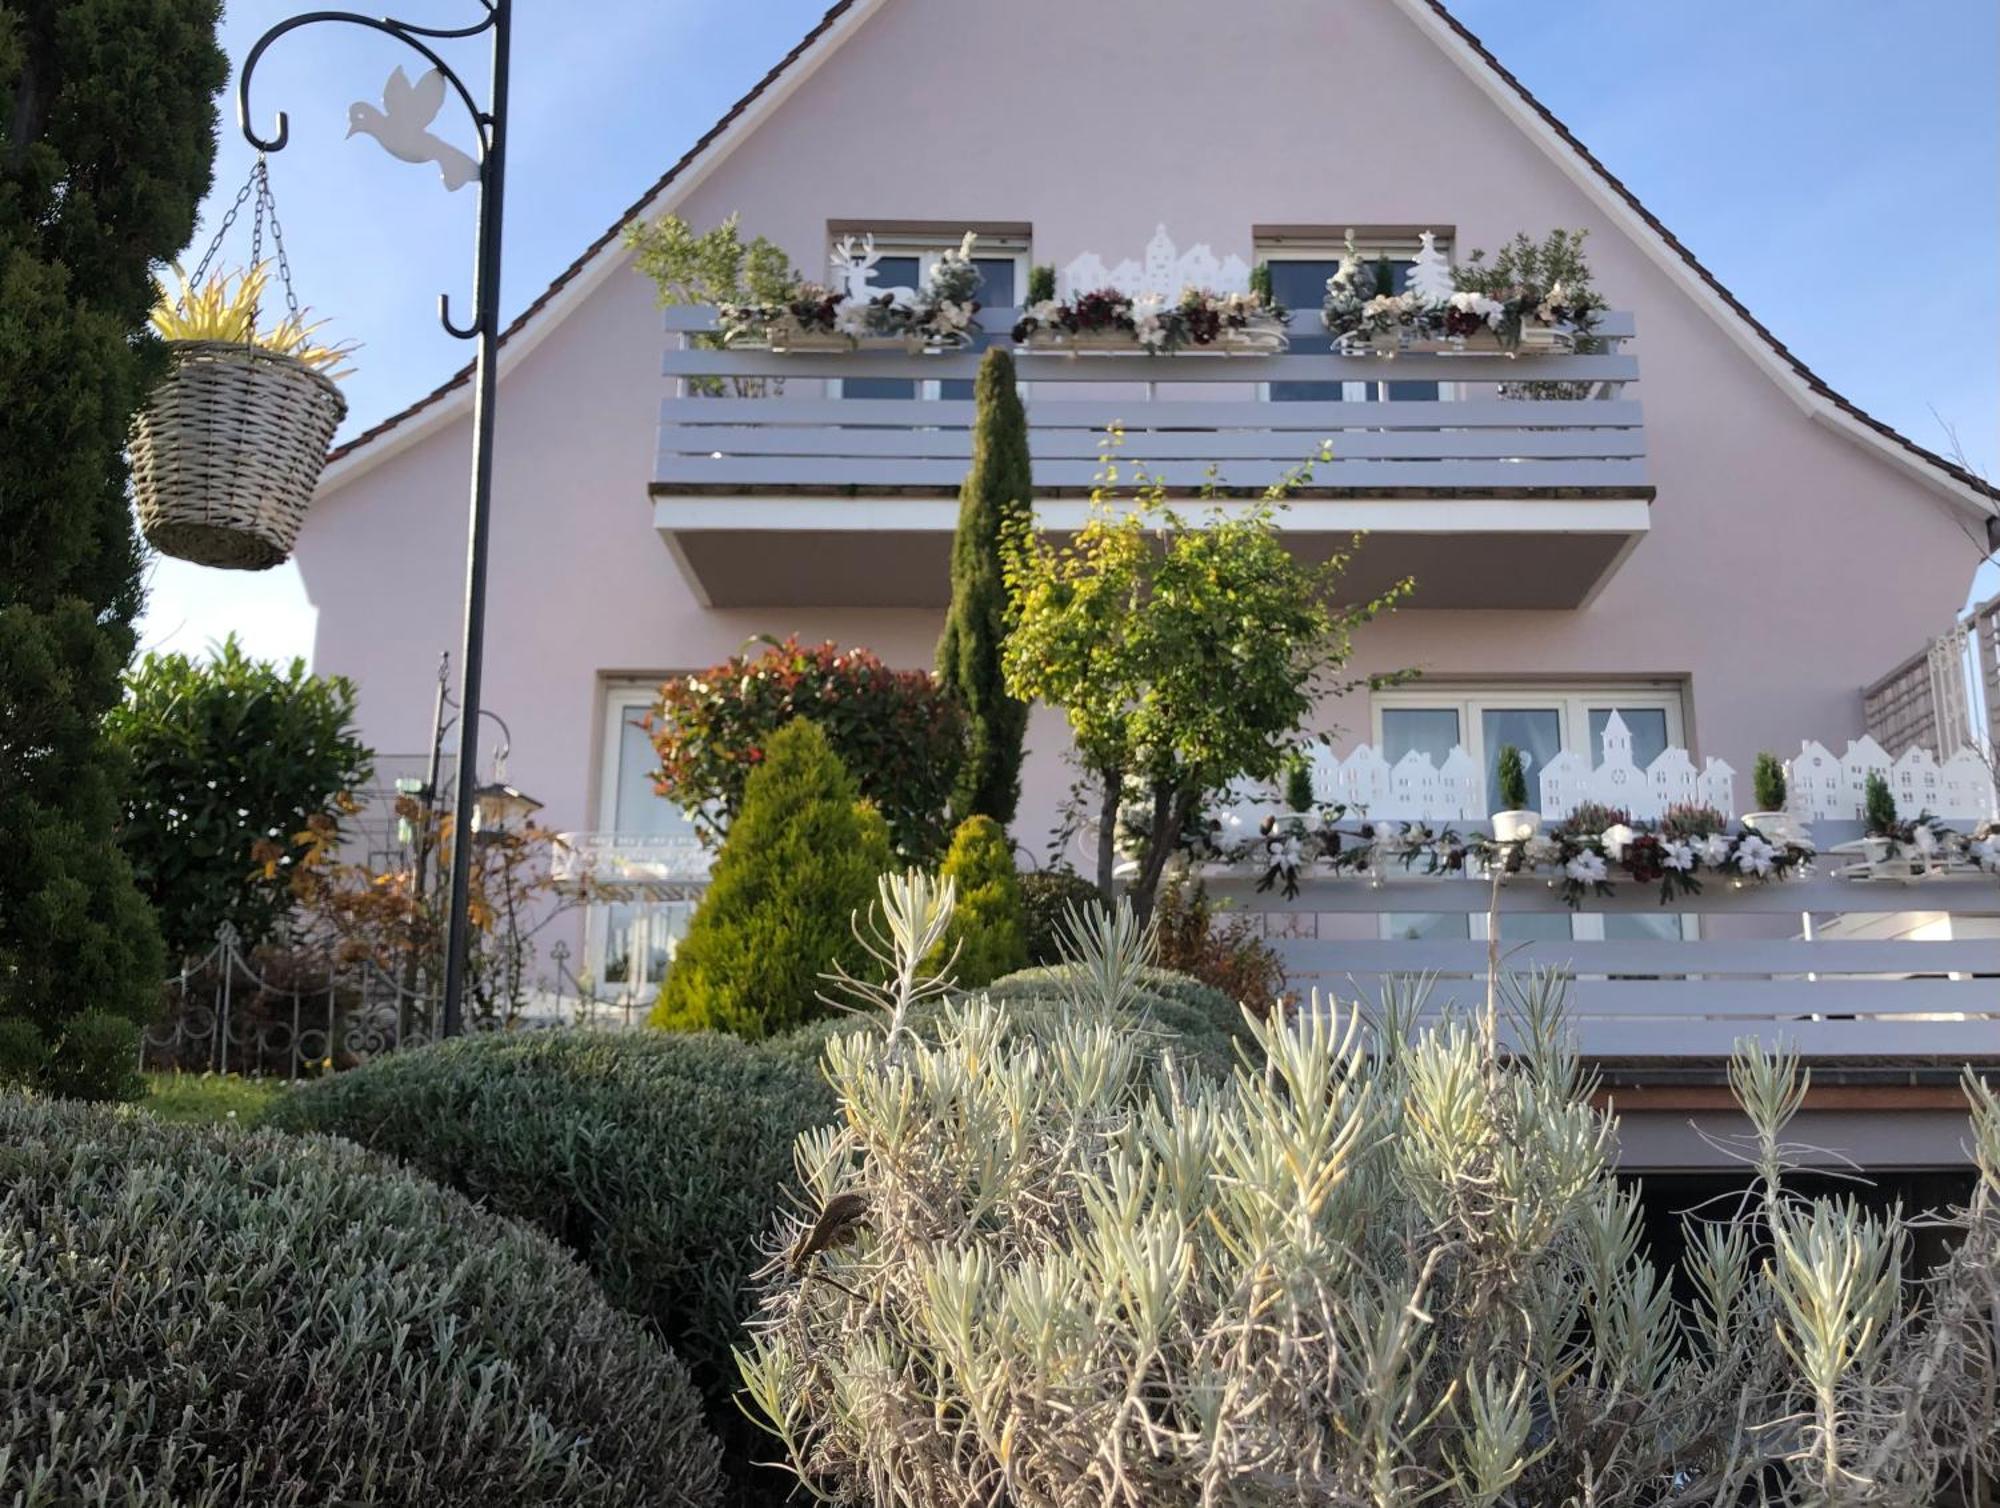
[[830, 479]]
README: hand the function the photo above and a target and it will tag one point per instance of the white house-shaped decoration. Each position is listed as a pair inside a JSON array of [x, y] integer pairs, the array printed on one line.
[[1166, 272], [1670, 781], [1461, 791], [1718, 786]]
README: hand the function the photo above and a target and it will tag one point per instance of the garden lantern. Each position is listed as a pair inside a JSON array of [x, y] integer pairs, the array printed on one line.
[[497, 806]]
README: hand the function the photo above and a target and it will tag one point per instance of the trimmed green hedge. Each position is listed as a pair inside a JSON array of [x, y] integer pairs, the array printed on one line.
[[1047, 896], [1206, 1024], [657, 1157], [211, 1318]]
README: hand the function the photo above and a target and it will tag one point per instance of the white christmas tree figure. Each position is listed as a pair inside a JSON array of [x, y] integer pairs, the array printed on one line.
[[1430, 274]]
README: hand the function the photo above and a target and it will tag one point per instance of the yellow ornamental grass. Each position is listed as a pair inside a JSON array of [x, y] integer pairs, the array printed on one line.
[[226, 308]]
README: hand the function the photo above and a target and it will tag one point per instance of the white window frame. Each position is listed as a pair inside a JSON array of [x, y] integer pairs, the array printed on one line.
[[621, 698], [1318, 248], [1573, 699], [929, 249]]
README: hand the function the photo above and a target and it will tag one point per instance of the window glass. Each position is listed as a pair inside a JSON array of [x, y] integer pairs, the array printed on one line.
[[996, 291], [1535, 731], [1427, 730], [1301, 287], [890, 272], [1414, 926], [635, 807]]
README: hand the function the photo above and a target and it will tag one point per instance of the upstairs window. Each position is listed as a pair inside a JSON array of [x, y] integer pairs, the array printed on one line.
[[1301, 262], [906, 258]]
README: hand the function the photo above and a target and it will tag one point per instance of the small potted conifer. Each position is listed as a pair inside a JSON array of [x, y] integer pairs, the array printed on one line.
[[1767, 783], [1515, 823], [1883, 840]]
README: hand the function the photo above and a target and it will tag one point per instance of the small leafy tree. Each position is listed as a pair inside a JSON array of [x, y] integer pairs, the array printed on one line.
[[800, 862], [232, 761], [1185, 653], [996, 500], [988, 930], [896, 731], [1767, 780], [1512, 777], [714, 266]]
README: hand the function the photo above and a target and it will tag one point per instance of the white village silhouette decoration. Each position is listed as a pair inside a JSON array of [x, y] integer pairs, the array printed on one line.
[[1166, 272], [1823, 786]]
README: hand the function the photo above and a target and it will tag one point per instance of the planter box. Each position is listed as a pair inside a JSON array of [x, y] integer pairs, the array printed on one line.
[[793, 341], [1262, 338]]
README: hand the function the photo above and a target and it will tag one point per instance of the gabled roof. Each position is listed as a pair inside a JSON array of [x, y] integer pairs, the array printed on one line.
[[599, 258]]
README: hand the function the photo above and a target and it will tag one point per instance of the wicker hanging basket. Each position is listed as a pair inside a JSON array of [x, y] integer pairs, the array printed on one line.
[[226, 453]]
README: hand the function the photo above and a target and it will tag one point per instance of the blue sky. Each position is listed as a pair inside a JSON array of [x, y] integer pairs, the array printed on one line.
[[1835, 162]]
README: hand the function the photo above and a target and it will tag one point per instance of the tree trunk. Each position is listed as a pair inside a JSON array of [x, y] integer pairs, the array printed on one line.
[[1107, 835], [1173, 806]]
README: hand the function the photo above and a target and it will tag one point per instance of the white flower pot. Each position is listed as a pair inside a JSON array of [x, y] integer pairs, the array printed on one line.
[[1516, 826], [1777, 826]]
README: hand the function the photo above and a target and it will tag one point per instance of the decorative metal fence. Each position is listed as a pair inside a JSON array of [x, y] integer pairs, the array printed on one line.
[[292, 1013]]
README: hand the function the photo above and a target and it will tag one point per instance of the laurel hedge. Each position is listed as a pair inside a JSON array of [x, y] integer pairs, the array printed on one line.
[[206, 1317]]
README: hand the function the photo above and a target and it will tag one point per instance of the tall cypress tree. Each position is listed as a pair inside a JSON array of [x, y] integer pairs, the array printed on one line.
[[998, 495], [107, 142]]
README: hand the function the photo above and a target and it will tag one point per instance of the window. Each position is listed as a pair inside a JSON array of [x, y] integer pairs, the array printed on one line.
[[629, 945], [1300, 266], [1540, 723], [905, 260]]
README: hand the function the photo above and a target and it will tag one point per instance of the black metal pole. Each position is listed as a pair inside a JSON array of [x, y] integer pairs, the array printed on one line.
[[485, 386], [485, 329]]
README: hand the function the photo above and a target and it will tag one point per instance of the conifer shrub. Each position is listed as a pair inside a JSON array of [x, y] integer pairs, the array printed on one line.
[[1767, 780], [987, 936], [212, 1318], [656, 1157], [800, 861], [1047, 896], [1390, 1269]]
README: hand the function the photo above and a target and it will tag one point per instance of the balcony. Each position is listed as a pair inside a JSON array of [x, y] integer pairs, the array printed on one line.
[[612, 866], [1489, 497]]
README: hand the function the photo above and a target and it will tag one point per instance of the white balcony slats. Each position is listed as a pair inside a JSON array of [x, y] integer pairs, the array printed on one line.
[[1182, 415]]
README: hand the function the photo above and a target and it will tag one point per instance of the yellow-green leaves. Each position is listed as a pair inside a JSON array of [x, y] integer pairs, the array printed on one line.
[[228, 308]]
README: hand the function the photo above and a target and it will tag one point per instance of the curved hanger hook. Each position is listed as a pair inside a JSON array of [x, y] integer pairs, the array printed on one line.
[[463, 332], [410, 36]]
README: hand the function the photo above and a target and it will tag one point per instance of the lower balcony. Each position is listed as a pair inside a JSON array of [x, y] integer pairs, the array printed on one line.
[[830, 479]]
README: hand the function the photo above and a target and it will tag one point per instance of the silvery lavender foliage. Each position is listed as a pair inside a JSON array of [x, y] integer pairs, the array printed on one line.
[[1381, 1269]]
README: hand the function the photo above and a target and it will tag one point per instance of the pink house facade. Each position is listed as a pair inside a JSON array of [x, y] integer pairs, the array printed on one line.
[[1694, 558]]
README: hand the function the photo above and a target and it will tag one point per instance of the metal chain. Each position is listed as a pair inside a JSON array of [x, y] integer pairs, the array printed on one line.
[[265, 208]]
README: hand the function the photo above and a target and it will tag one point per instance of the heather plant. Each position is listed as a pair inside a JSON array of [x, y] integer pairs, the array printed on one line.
[[1385, 1268], [211, 1318]]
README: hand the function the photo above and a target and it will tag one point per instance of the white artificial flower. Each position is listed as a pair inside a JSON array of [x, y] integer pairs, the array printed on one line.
[[1388, 836], [1616, 839], [1586, 868], [1754, 855], [1925, 837], [965, 247], [1539, 850], [1676, 855], [1714, 849], [1986, 854]]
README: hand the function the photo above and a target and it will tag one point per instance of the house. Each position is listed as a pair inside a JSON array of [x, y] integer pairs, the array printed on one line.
[[1684, 544]]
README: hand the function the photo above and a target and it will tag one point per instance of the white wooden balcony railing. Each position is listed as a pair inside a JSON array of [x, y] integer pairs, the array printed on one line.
[[628, 866], [1424, 452], [1898, 976]]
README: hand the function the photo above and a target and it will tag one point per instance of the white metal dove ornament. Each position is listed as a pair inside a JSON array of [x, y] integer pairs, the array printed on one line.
[[402, 126]]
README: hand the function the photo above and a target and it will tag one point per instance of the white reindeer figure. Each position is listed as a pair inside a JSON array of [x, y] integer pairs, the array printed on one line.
[[854, 273]]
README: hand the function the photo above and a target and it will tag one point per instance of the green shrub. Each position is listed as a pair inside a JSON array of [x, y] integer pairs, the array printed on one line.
[[1878, 806], [95, 1057], [986, 926], [799, 862], [1767, 780], [213, 1318], [656, 1157], [1206, 1024], [233, 761], [1511, 775], [1047, 897], [21, 1052]]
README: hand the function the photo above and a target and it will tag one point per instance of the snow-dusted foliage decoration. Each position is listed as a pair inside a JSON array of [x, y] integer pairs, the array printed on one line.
[[1165, 272]]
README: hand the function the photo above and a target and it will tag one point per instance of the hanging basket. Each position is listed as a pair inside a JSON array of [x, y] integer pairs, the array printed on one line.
[[227, 452]]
